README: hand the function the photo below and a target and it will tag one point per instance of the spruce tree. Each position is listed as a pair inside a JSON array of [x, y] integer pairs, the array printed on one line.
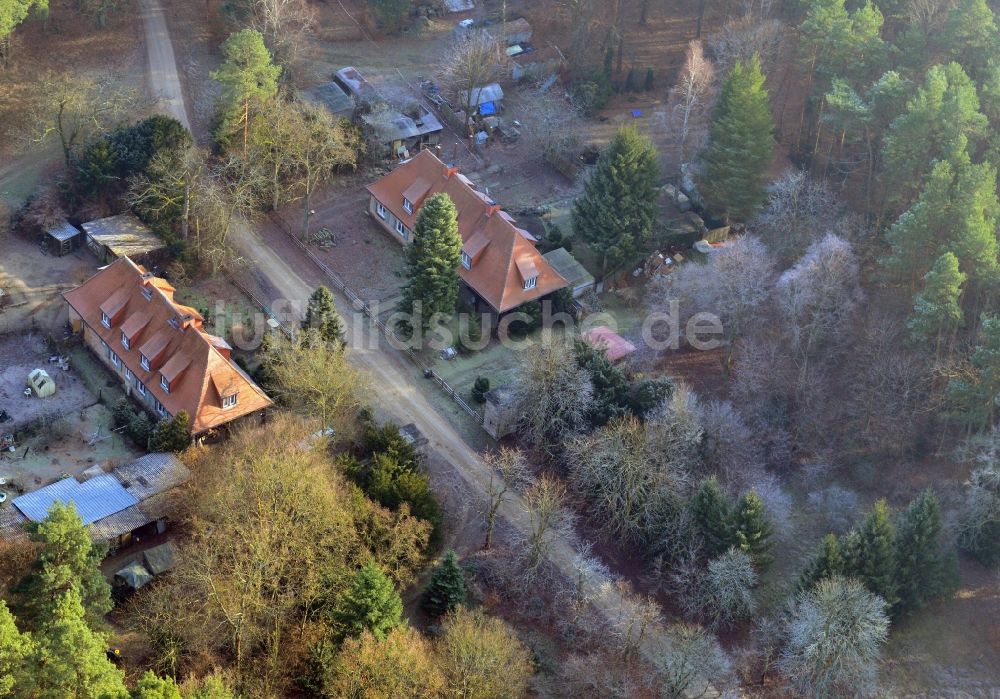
[[617, 210], [370, 603], [321, 314], [432, 261], [752, 529], [171, 434], [67, 658], [446, 589], [870, 553], [67, 557], [741, 145], [826, 564], [712, 514], [936, 309], [922, 569]]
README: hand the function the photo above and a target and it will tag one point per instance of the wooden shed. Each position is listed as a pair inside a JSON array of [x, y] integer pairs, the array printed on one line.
[[62, 239]]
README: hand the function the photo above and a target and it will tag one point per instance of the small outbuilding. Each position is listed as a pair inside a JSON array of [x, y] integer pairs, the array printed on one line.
[[41, 383], [62, 239], [332, 97], [517, 31], [485, 100], [570, 269], [160, 559], [611, 343], [354, 83], [500, 412], [120, 236]]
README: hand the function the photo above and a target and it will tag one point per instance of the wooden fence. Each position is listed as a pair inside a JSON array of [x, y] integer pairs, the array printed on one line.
[[337, 283]]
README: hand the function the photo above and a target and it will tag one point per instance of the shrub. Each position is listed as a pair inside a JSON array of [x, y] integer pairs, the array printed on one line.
[[171, 434], [631, 81], [480, 388], [139, 428], [123, 413]]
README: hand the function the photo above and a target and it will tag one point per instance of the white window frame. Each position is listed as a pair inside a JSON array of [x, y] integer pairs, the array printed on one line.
[[128, 374], [380, 210], [159, 407], [407, 205], [164, 384], [125, 342], [466, 260], [144, 361], [400, 228], [105, 319], [229, 401], [116, 360], [140, 387], [530, 283], [174, 323]]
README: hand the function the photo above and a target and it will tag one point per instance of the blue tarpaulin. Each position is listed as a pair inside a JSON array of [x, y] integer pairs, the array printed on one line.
[[487, 108], [636, 113]]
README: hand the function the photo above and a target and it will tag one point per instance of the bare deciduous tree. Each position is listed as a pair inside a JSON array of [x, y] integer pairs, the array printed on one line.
[[818, 297], [508, 470], [471, 62], [545, 506], [552, 394], [693, 664], [691, 100], [729, 594]]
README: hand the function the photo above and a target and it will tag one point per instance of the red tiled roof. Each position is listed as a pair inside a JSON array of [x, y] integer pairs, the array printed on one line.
[[614, 345], [170, 335], [501, 252]]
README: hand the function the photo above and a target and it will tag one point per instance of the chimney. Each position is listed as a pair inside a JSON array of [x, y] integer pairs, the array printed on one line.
[[449, 171]]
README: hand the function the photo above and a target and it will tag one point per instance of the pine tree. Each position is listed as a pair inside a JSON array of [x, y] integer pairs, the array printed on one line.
[[321, 314], [957, 211], [446, 589], [940, 122], [741, 145], [922, 569], [370, 603], [171, 434], [14, 647], [617, 210], [826, 564], [936, 309], [152, 687], [752, 529], [712, 514], [67, 557], [68, 658], [974, 396], [248, 79], [432, 261], [970, 36], [870, 553]]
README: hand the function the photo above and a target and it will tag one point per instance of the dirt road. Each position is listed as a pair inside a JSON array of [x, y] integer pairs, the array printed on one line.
[[164, 83], [291, 276]]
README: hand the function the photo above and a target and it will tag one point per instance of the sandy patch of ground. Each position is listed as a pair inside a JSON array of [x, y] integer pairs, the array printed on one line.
[[19, 355], [35, 281]]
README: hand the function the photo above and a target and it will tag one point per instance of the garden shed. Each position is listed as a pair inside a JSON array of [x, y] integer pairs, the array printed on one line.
[[570, 269], [62, 239], [120, 236], [41, 383]]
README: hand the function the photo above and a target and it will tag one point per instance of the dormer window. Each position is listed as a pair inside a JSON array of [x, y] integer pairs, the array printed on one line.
[[144, 361], [530, 283], [407, 205], [466, 260], [229, 401], [147, 293], [164, 384], [105, 319], [125, 342]]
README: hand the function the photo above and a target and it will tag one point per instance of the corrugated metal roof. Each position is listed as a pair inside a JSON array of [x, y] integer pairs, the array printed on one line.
[[119, 523], [95, 499], [151, 474], [12, 524]]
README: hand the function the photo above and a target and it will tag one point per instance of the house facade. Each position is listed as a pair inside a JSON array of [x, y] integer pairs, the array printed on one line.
[[159, 350], [500, 262]]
